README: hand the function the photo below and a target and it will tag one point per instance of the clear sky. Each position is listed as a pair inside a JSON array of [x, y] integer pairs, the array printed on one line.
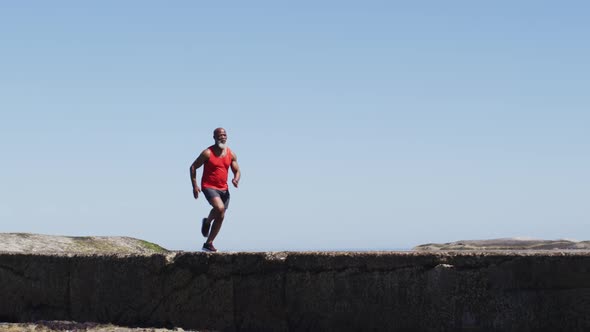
[[357, 124]]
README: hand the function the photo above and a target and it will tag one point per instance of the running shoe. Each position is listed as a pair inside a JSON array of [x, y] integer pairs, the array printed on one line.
[[208, 247]]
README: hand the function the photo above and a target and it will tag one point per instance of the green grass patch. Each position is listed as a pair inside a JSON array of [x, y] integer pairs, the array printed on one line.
[[153, 247]]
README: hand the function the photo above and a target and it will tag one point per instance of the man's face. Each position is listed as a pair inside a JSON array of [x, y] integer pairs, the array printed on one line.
[[220, 137]]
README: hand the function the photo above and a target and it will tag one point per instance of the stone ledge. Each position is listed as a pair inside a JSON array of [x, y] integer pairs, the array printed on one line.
[[304, 291]]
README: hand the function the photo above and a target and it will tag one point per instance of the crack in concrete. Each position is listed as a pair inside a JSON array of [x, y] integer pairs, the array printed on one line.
[[69, 294]]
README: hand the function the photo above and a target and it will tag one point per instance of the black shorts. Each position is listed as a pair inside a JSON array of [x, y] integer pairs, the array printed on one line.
[[223, 194]]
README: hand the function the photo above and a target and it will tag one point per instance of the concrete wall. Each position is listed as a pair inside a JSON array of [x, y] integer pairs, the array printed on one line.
[[412, 291]]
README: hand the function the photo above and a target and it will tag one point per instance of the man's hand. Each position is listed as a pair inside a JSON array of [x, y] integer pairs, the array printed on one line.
[[196, 191], [235, 182]]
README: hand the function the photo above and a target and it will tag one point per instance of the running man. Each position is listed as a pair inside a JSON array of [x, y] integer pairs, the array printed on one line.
[[217, 159]]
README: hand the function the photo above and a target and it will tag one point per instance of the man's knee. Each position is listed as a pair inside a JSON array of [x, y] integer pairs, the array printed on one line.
[[219, 210]]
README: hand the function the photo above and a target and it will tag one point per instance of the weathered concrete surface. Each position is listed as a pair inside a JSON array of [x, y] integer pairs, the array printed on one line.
[[304, 291]]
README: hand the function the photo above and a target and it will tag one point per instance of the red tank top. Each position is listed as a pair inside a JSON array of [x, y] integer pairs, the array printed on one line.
[[215, 170]]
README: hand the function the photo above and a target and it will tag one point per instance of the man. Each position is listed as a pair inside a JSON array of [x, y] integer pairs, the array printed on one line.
[[217, 159]]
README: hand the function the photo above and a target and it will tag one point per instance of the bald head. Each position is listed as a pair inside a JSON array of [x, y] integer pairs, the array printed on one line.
[[217, 131]]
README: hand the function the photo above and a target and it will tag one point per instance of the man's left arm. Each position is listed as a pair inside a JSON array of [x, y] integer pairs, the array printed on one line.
[[235, 168]]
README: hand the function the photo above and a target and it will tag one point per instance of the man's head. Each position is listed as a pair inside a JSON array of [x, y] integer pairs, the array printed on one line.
[[220, 137]]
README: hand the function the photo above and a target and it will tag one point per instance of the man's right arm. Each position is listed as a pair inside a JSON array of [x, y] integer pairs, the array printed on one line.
[[203, 157]]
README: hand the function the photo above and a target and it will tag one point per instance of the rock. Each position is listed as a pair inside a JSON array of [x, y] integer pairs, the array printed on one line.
[[506, 244], [61, 326], [51, 244]]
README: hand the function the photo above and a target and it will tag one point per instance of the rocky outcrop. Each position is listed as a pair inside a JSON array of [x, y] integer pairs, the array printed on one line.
[[304, 291], [53, 244], [507, 244], [65, 326]]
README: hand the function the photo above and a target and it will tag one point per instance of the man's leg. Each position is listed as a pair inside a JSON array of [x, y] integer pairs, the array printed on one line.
[[211, 216], [216, 215]]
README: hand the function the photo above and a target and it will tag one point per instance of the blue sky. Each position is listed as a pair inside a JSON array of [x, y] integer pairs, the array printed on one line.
[[357, 125]]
